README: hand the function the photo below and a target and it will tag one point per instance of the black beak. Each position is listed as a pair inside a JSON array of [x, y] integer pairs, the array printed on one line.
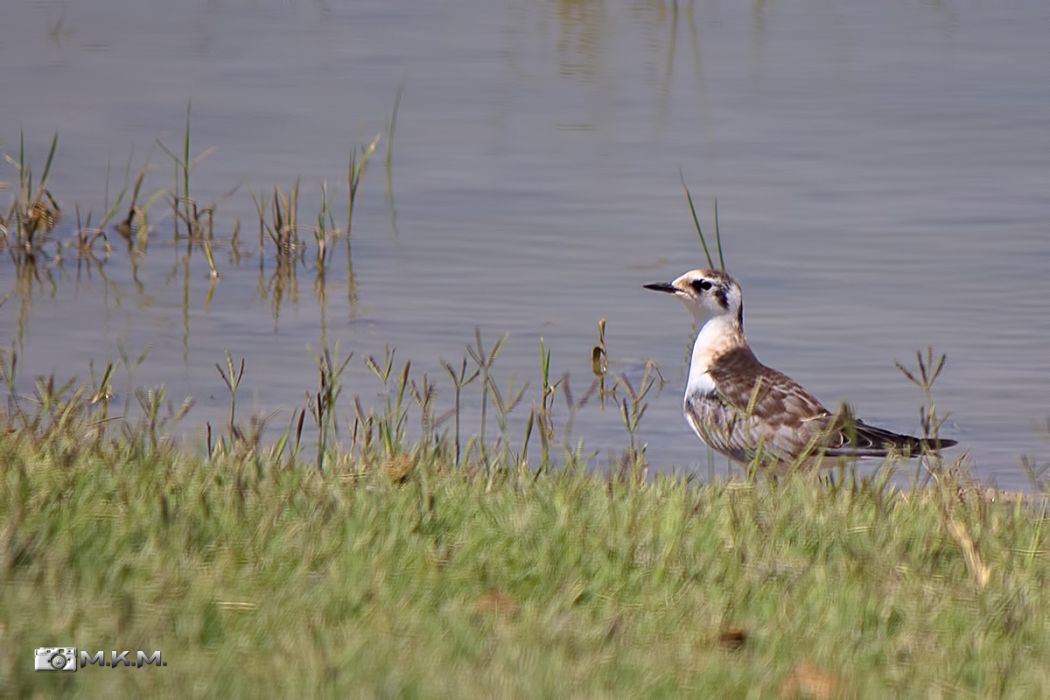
[[662, 287]]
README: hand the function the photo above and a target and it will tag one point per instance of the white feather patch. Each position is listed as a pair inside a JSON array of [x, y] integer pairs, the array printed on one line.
[[700, 385]]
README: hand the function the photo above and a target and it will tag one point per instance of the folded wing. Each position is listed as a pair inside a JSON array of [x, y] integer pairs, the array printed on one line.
[[756, 408]]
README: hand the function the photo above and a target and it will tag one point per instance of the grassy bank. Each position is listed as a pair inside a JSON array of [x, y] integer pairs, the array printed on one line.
[[352, 558], [401, 574]]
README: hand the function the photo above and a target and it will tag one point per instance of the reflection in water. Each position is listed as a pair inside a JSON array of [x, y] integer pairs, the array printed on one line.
[[351, 281], [283, 282], [579, 40], [89, 267], [590, 50], [28, 276], [672, 45]]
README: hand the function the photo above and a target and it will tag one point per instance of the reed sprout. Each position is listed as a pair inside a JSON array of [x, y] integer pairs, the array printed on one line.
[[699, 230], [198, 220], [231, 377], [33, 209], [355, 171], [460, 379], [321, 405], [924, 375]]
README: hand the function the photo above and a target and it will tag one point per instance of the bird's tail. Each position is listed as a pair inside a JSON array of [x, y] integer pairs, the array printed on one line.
[[852, 437]]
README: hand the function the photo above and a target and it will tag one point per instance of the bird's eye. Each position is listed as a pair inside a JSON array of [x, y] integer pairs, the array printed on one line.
[[701, 286]]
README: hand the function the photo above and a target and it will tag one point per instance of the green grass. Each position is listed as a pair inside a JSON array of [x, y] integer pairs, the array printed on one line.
[[402, 575]]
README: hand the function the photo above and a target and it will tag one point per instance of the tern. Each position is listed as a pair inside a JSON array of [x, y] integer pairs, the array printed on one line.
[[743, 409]]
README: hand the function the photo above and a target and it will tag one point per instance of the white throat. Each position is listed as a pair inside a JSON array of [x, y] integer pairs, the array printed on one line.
[[716, 335]]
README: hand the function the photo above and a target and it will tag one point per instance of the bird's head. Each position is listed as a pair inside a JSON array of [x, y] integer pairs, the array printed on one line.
[[707, 294]]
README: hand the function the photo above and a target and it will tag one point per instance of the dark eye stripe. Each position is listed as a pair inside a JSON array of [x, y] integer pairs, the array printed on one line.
[[701, 285]]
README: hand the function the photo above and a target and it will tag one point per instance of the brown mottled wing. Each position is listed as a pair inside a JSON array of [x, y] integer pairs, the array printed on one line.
[[756, 406]]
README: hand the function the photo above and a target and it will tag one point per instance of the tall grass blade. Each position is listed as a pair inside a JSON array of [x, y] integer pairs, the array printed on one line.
[[718, 239], [696, 220]]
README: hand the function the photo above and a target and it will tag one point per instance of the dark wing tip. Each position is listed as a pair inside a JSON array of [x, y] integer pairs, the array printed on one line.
[[939, 443], [867, 440]]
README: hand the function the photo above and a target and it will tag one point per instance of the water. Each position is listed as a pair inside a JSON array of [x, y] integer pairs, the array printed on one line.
[[882, 175]]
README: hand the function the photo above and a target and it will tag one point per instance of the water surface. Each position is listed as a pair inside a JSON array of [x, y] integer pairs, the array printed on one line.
[[882, 175]]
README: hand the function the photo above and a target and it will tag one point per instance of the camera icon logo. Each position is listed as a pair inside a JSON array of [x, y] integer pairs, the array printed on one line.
[[55, 659]]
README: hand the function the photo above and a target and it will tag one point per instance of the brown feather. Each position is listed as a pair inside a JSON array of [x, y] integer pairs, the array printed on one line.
[[756, 408]]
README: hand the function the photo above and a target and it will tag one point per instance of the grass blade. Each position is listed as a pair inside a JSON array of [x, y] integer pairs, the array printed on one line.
[[696, 220], [718, 239]]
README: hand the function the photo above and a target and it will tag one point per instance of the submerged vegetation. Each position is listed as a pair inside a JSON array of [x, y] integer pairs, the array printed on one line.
[[38, 243]]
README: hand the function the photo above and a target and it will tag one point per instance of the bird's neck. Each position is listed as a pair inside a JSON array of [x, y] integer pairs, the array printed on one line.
[[717, 336]]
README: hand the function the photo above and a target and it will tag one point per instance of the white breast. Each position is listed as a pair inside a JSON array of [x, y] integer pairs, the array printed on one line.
[[700, 384], [715, 336]]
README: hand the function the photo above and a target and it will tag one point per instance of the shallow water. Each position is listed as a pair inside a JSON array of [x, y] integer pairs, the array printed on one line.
[[882, 175]]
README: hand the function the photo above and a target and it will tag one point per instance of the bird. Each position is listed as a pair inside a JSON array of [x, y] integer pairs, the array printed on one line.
[[745, 410]]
